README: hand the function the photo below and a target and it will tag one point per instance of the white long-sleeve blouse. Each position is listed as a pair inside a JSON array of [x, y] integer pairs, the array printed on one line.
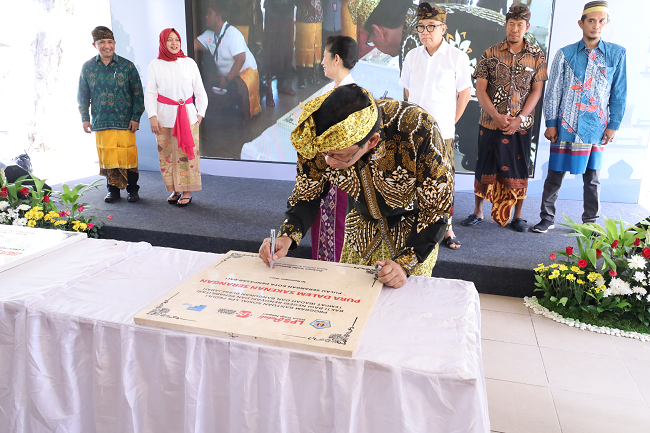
[[176, 80]]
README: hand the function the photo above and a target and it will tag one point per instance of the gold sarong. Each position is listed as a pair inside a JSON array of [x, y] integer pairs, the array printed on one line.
[[308, 44], [348, 28], [249, 88], [116, 149]]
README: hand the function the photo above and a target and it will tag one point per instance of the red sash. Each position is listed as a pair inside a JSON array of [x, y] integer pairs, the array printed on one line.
[[182, 130]]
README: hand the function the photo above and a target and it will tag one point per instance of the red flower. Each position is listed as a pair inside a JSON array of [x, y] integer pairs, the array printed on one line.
[[599, 253], [62, 213], [3, 193], [615, 244], [646, 253], [90, 225], [110, 217], [24, 191], [569, 250], [67, 212], [46, 199], [612, 273], [582, 263], [637, 242], [553, 257], [81, 208]]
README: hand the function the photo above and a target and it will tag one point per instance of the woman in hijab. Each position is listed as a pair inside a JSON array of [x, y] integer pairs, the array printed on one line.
[[175, 117]]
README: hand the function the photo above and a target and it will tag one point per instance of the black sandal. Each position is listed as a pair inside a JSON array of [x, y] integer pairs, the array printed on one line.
[[189, 200], [449, 241], [173, 200]]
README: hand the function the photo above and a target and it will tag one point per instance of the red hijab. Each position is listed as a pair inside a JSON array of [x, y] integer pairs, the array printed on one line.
[[163, 52]]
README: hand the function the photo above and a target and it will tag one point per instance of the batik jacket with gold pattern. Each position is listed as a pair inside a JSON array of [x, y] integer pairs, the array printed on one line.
[[400, 192]]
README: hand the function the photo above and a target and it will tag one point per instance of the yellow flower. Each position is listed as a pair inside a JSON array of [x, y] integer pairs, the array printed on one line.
[[554, 265], [552, 277], [83, 226], [563, 268], [580, 272], [593, 276], [58, 223], [580, 282], [555, 273], [570, 277], [31, 223], [575, 268]]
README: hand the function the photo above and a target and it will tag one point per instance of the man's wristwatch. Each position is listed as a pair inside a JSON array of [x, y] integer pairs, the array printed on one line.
[[523, 118]]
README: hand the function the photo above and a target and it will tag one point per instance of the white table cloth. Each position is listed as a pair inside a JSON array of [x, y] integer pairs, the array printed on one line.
[[73, 360]]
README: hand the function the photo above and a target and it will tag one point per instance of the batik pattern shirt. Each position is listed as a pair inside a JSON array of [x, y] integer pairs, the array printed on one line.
[[510, 79], [309, 11], [585, 95], [400, 192], [113, 93]]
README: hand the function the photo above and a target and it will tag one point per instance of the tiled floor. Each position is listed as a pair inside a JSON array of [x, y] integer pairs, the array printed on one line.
[[546, 377]]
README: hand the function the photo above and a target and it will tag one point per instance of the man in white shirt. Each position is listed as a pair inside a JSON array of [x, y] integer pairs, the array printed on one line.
[[437, 77], [236, 66]]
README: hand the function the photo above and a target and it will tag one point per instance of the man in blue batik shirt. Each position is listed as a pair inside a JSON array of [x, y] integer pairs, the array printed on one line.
[[584, 107]]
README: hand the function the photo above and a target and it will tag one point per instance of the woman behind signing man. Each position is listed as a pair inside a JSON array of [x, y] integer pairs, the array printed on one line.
[[327, 233], [172, 79]]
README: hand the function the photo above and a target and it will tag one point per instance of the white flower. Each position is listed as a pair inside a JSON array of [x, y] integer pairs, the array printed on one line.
[[639, 276], [4, 205], [3, 217], [20, 222], [12, 213], [638, 297], [647, 298], [636, 262], [24, 207], [619, 287], [600, 281], [607, 293], [640, 290]]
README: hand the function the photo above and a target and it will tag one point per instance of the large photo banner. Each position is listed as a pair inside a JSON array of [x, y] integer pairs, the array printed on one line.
[[260, 59]]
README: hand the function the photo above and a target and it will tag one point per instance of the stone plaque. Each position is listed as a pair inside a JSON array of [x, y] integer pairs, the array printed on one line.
[[301, 304], [22, 244]]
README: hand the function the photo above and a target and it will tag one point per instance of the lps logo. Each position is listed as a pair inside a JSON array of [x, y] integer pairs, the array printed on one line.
[[196, 307], [321, 324], [244, 314]]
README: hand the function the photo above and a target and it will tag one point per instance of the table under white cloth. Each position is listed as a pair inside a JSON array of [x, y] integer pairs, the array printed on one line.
[[73, 360]]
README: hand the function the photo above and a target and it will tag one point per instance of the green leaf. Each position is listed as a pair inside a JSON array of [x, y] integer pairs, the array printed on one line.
[[609, 261], [622, 304], [563, 301], [591, 256], [553, 299]]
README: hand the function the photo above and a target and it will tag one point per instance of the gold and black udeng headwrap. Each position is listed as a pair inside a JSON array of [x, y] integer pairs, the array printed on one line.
[[428, 12], [518, 12], [102, 32], [360, 10], [344, 134], [596, 6]]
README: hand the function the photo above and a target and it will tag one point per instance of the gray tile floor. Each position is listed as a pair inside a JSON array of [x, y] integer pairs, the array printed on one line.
[[543, 376]]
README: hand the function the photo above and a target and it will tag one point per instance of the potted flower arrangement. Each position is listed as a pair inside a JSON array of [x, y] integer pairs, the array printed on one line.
[[35, 206], [602, 284]]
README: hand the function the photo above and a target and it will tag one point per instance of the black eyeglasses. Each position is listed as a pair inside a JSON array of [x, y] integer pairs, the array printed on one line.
[[430, 28], [327, 155]]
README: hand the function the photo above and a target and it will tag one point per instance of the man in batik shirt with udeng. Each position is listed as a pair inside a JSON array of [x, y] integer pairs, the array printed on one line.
[[509, 81], [110, 86], [389, 157], [584, 107]]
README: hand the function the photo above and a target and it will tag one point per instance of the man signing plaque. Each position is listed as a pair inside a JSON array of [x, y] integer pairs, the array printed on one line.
[[389, 157]]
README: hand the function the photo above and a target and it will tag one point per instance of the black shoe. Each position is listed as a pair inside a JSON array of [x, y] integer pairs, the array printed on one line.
[[543, 226], [111, 197], [519, 224], [132, 197], [471, 220]]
